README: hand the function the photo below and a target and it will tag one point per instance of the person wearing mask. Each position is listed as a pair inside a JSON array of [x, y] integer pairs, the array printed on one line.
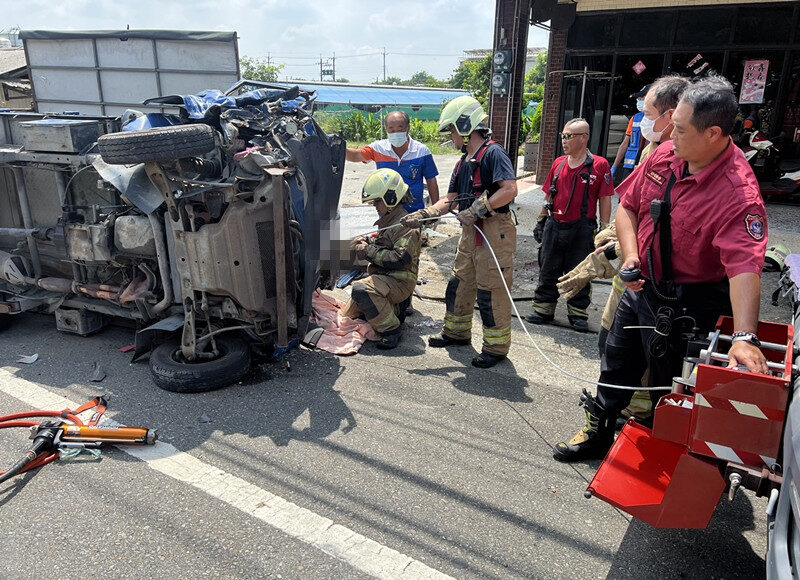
[[632, 144], [701, 256], [482, 187], [399, 152], [659, 104], [577, 183], [393, 256]]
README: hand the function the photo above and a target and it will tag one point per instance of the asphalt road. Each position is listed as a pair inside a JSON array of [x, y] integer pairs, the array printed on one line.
[[406, 464], [415, 450]]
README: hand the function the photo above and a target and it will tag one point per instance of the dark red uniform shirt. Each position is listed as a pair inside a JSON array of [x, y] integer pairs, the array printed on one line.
[[600, 186], [719, 226]]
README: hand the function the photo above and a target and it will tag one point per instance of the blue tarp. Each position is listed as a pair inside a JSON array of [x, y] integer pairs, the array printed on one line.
[[354, 95]]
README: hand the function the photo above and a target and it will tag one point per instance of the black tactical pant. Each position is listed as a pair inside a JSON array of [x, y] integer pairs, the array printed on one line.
[[564, 246], [627, 354]]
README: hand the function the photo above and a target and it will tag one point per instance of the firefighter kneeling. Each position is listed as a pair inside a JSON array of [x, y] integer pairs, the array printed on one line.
[[393, 256]]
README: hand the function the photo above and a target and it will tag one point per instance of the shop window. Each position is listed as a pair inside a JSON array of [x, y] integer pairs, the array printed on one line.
[[696, 63], [593, 32], [646, 29], [764, 25], [706, 27], [766, 109], [627, 81], [595, 94]]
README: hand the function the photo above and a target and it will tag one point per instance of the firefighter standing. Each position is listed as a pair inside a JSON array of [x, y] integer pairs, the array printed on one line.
[[393, 256], [692, 219], [577, 183], [482, 187]]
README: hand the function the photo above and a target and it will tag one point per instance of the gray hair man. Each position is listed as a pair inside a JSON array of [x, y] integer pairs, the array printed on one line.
[[702, 256]]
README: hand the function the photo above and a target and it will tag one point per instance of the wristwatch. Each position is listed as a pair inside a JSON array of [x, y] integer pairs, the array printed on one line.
[[746, 337]]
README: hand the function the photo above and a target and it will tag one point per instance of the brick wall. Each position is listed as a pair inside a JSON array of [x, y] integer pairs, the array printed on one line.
[[511, 16], [552, 99]]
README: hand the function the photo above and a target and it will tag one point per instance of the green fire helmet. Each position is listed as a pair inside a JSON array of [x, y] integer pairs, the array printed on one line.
[[465, 113], [775, 258], [385, 184]]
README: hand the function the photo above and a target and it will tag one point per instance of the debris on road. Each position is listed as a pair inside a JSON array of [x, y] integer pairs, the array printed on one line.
[[28, 360]]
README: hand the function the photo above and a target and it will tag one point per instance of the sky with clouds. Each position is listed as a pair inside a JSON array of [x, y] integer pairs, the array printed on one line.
[[418, 35]]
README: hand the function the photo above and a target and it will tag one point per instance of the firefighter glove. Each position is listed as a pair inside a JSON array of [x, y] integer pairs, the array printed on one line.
[[593, 266], [414, 220], [605, 235], [538, 231]]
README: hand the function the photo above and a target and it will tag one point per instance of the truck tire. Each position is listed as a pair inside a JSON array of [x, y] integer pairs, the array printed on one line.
[[161, 144], [172, 374]]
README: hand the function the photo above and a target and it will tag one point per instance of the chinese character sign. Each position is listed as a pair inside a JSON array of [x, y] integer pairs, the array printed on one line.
[[753, 82]]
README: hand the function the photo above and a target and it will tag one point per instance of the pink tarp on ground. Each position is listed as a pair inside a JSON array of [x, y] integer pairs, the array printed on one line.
[[342, 335]]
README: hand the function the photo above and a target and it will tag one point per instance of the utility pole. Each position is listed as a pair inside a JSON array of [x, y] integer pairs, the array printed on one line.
[[384, 64], [269, 63], [327, 68]]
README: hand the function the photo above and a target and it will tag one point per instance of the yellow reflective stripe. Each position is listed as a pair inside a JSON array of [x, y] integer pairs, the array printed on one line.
[[496, 331], [617, 284], [572, 311], [457, 323], [548, 308], [496, 335], [388, 323], [403, 275]]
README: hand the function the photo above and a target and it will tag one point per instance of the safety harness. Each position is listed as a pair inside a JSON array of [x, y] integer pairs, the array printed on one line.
[[476, 180], [587, 177], [660, 210]]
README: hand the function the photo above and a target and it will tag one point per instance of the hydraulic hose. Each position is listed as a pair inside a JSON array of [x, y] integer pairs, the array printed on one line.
[[42, 443], [541, 352]]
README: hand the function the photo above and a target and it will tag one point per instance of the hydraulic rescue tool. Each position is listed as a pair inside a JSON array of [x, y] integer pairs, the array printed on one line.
[[67, 431]]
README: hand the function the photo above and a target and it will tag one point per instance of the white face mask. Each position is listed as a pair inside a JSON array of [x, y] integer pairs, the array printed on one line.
[[398, 139], [640, 106], [646, 126]]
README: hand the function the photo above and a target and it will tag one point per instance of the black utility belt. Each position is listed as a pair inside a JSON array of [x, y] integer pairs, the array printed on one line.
[[704, 294], [575, 223]]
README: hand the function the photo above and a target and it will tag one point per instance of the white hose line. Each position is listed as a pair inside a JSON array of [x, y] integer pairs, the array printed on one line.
[[536, 346]]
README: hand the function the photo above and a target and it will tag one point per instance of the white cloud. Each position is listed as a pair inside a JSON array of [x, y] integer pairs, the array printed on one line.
[[296, 33]]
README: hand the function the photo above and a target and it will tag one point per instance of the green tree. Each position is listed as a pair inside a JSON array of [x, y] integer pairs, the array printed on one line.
[[342, 80], [423, 79], [533, 86], [478, 82], [257, 69], [391, 81]]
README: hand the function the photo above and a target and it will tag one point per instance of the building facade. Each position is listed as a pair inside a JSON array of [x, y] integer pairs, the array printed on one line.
[[613, 48]]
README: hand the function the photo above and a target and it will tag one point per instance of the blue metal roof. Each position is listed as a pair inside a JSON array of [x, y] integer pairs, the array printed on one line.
[[376, 95]]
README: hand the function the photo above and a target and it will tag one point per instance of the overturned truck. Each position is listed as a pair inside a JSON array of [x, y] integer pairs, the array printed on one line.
[[207, 229]]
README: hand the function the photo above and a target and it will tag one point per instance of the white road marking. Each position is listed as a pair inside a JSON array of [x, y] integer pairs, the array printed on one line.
[[336, 540]]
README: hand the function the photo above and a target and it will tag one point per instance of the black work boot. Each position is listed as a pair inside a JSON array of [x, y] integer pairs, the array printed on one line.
[[442, 340], [594, 440], [579, 324], [536, 318], [403, 309], [390, 339], [486, 360]]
